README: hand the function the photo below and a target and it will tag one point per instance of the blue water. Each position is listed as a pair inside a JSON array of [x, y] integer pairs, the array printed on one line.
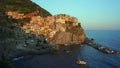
[[97, 59], [93, 57]]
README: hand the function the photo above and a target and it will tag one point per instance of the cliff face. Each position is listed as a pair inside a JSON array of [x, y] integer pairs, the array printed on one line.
[[33, 18], [23, 24], [68, 38], [62, 38], [57, 29]]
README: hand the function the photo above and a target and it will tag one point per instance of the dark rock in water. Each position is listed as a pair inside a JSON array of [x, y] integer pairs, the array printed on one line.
[[102, 48], [99, 47], [106, 50], [62, 49]]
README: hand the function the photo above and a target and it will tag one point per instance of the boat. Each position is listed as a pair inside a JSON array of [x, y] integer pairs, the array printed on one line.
[[81, 62]]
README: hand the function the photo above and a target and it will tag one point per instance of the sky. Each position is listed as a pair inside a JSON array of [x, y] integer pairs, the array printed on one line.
[[92, 14]]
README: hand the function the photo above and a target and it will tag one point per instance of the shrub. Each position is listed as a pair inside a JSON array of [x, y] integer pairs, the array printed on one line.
[[5, 64], [68, 22], [6, 34]]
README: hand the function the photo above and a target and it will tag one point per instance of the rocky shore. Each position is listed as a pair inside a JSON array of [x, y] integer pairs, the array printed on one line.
[[36, 31], [99, 47], [64, 58], [31, 30]]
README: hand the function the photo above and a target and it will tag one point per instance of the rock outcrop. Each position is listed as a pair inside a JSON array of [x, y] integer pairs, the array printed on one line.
[[58, 29], [27, 28], [67, 38]]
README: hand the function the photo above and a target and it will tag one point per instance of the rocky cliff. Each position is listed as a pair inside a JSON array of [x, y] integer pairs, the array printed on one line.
[[27, 28], [57, 29]]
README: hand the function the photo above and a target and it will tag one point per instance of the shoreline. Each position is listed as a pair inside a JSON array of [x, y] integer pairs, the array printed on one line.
[[99, 47], [66, 56]]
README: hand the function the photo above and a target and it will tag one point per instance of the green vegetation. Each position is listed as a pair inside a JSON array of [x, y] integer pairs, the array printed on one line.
[[23, 20], [79, 25], [23, 6], [5, 64], [5, 20], [6, 33], [68, 22]]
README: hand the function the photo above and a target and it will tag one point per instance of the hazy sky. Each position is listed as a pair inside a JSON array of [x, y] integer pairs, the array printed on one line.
[[93, 14]]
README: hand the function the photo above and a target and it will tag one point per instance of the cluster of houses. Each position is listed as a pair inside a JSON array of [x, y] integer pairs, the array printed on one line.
[[15, 14], [47, 26]]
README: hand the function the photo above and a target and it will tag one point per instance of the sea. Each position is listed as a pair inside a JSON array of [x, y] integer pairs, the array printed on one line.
[[93, 57], [97, 59]]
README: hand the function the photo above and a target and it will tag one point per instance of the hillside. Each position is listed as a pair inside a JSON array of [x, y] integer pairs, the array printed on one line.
[[26, 28], [23, 6]]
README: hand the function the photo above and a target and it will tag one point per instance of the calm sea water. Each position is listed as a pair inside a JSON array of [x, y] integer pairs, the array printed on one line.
[[94, 58], [97, 59]]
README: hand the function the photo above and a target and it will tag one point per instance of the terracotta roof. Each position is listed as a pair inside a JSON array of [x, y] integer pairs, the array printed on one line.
[[30, 15]]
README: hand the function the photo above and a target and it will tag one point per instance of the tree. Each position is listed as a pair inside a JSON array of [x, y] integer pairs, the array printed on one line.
[[79, 25]]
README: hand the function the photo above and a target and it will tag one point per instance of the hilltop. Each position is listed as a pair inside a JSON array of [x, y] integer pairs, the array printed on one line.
[[23, 6]]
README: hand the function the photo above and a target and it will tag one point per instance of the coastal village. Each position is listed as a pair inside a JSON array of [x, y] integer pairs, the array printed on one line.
[[50, 25], [47, 26], [28, 31]]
